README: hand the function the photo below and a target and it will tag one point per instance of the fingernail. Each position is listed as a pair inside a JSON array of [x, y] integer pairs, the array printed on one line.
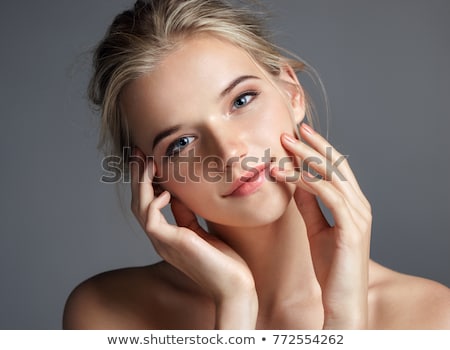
[[164, 193], [307, 129], [289, 138]]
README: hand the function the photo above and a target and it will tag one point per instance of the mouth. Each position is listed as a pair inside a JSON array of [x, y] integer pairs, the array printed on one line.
[[249, 182]]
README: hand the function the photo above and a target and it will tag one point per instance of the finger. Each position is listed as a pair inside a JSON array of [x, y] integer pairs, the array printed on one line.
[[156, 224], [333, 199], [310, 210], [179, 245], [146, 192], [304, 196], [185, 217], [136, 167], [288, 176], [312, 159], [342, 210], [320, 144]]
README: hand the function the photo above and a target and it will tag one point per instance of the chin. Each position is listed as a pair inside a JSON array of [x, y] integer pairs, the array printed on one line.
[[259, 209]]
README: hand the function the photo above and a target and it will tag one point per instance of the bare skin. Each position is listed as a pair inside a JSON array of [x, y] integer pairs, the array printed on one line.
[[270, 259], [160, 297]]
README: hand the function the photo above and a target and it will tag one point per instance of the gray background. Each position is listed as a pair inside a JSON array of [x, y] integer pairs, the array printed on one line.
[[386, 68]]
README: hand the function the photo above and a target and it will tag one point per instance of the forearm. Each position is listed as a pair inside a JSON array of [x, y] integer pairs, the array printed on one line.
[[349, 309], [237, 312], [356, 319]]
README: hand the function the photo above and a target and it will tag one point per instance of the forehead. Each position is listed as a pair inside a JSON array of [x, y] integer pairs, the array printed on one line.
[[188, 79], [200, 59]]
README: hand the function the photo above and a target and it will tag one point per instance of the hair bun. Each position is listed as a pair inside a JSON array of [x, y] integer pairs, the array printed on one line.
[[139, 4]]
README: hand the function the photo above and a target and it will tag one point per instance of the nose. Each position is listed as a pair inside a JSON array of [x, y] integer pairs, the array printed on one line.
[[227, 142]]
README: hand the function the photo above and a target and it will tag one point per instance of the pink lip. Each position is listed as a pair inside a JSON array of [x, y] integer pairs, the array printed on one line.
[[249, 182]]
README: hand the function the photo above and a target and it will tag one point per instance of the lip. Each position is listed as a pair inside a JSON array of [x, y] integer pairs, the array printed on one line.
[[249, 182]]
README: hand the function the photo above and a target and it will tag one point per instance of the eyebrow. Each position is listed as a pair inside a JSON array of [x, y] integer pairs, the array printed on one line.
[[169, 131], [163, 134], [236, 82]]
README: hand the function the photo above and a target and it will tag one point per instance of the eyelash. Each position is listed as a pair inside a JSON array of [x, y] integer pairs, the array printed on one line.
[[172, 149], [253, 94]]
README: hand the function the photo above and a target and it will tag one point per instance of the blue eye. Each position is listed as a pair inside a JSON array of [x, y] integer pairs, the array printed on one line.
[[244, 99], [178, 145]]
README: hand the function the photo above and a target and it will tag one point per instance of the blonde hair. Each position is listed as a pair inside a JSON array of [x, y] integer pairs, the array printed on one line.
[[139, 38]]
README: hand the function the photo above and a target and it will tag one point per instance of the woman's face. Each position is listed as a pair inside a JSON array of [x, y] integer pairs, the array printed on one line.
[[212, 120]]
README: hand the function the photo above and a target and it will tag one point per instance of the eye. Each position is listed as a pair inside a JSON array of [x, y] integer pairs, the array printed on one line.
[[244, 99], [178, 145]]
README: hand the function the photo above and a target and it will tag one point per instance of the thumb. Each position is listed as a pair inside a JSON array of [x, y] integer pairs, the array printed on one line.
[[184, 217], [310, 210]]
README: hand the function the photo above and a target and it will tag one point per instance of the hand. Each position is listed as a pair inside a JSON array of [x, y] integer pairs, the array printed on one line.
[[204, 258], [340, 253]]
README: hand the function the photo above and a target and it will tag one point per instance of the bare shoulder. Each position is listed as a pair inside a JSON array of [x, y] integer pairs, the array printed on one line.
[[399, 301], [149, 297]]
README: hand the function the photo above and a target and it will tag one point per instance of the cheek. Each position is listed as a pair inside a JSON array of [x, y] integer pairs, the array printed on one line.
[[282, 119], [273, 119], [194, 195], [276, 113], [184, 180]]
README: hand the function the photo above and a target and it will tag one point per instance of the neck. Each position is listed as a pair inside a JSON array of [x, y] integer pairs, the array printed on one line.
[[278, 256]]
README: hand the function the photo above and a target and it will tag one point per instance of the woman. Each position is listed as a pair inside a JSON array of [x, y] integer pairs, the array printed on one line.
[[215, 114]]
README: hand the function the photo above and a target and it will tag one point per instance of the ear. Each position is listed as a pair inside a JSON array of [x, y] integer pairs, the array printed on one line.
[[288, 83]]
